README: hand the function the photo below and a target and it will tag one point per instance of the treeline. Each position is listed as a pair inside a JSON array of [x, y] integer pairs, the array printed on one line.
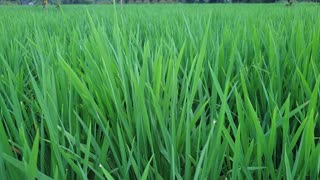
[[139, 1], [173, 1]]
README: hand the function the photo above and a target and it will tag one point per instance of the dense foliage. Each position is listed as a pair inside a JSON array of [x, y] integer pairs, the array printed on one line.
[[160, 92], [25, 2]]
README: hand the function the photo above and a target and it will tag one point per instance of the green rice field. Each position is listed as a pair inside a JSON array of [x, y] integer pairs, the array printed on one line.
[[160, 91]]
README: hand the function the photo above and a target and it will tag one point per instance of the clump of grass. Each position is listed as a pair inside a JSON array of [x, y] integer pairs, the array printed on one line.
[[160, 92]]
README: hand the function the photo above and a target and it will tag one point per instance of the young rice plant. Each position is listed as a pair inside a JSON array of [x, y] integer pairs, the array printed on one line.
[[160, 92]]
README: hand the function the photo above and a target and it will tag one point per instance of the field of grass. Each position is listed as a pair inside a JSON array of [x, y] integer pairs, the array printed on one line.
[[160, 92]]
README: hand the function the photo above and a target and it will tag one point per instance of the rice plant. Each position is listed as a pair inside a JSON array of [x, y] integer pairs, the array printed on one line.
[[160, 92]]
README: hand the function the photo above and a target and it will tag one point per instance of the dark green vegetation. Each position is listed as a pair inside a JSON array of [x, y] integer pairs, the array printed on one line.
[[160, 91], [24, 2]]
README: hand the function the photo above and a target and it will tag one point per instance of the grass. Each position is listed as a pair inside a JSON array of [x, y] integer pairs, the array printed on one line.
[[160, 92]]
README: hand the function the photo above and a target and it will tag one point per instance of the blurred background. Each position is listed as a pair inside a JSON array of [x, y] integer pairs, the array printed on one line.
[[33, 2]]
